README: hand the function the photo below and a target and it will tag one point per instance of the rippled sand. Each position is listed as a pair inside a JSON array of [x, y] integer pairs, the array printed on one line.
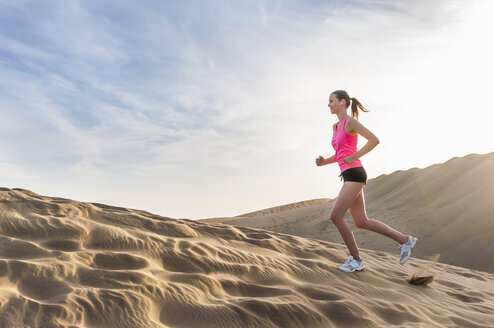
[[66, 263]]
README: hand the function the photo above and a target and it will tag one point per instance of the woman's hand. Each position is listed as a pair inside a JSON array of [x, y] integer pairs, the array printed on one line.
[[320, 161], [349, 159]]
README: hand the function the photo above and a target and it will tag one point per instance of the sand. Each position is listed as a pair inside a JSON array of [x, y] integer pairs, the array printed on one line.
[[448, 206], [65, 263]]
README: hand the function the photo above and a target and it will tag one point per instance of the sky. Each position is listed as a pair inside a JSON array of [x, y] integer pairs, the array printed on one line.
[[199, 109]]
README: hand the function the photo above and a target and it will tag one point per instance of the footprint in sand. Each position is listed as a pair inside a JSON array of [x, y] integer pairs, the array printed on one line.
[[118, 261], [45, 289]]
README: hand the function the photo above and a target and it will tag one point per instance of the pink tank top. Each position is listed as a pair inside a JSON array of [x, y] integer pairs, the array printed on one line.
[[344, 145]]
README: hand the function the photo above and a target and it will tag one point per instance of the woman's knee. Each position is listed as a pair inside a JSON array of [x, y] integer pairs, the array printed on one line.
[[361, 223], [336, 217]]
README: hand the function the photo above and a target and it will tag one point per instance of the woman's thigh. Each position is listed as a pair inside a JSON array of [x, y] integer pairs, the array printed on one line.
[[347, 196]]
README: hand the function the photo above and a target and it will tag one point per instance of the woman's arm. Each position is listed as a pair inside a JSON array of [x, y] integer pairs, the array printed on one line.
[[355, 126], [320, 161]]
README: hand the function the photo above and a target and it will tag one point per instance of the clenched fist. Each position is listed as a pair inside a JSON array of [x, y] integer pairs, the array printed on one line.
[[320, 161]]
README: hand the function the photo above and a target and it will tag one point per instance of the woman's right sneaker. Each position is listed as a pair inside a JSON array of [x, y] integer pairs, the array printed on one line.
[[352, 265], [406, 249]]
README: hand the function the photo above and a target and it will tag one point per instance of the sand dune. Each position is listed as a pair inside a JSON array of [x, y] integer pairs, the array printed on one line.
[[448, 206], [272, 210], [70, 264]]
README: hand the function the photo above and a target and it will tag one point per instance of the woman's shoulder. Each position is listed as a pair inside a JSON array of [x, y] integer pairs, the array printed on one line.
[[351, 125], [352, 122]]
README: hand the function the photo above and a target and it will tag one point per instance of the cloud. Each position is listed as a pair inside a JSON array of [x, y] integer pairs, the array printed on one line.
[[115, 97]]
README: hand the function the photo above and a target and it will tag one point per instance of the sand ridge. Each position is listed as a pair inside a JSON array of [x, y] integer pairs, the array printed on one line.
[[71, 264]]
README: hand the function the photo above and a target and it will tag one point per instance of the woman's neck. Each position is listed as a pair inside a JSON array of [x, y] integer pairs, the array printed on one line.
[[341, 115]]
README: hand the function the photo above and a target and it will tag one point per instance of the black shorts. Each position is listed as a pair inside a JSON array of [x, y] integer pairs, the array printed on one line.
[[356, 174]]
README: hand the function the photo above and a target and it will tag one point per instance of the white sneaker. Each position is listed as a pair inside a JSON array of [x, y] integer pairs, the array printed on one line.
[[406, 249], [352, 265]]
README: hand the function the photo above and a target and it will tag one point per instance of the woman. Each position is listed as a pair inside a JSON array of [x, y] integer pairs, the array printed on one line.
[[351, 196]]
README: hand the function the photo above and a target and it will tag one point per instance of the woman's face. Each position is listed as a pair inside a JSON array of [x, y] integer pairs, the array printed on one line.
[[334, 104]]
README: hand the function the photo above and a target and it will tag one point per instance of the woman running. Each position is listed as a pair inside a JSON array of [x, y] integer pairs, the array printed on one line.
[[351, 196]]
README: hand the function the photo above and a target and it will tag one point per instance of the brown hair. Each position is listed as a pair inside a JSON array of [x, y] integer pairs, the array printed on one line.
[[356, 105]]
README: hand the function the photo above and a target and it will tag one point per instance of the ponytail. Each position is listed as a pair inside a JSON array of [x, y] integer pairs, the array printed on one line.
[[356, 105]]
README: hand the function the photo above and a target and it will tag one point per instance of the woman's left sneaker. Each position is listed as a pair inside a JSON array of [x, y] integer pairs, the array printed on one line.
[[352, 265]]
